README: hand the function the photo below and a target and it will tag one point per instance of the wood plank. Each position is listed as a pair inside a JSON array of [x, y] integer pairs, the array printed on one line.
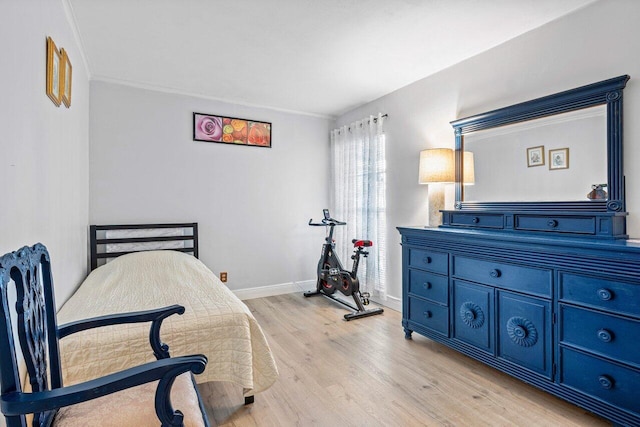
[[364, 373]]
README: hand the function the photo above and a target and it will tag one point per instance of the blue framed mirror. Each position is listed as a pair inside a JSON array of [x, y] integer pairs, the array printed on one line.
[[542, 135]]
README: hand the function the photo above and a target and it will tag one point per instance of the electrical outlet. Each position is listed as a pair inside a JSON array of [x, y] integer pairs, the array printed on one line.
[[223, 276]]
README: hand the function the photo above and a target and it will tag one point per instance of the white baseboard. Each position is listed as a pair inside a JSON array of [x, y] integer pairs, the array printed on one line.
[[393, 303], [271, 290]]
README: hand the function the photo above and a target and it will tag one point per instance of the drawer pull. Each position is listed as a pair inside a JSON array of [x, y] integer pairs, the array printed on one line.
[[606, 382], [475, 220], [426, 285], [495, 273], [552, 223], [472, 315], [427, 260], [428, 314], [605, 335], [522, 331], [605, 294]]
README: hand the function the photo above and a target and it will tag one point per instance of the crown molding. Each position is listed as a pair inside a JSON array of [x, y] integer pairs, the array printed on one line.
[[175, 91], [73, 23]]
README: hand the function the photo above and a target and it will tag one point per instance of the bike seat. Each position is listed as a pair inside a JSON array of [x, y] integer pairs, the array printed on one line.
[[361, 243]]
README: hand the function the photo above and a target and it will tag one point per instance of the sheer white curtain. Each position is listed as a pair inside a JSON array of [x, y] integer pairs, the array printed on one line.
[[358, 197]]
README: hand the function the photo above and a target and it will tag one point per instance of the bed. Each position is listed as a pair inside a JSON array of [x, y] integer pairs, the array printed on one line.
[[138, 267]]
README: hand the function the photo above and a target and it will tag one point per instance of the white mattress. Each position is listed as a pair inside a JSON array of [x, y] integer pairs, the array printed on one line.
[[216, 323]]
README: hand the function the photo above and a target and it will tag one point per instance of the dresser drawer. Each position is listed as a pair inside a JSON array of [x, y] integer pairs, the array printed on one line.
[[429, 285], [613, 383], [477, 220], [609, 295], [530, 280], [430, 315], [437, 262], [563, 224], [609, 336]]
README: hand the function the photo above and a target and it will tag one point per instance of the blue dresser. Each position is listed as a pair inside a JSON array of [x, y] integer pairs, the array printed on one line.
[[561, 313]]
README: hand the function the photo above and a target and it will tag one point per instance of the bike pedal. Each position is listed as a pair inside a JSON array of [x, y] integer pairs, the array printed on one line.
[[364, 297]]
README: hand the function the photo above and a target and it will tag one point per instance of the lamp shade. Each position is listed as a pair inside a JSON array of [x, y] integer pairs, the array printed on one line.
[[436, 166], [468, 173]]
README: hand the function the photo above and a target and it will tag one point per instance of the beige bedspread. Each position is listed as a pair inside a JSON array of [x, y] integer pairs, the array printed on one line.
[[216, 323]]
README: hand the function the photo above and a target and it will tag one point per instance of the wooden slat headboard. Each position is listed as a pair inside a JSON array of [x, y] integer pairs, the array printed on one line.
[[112, 241]]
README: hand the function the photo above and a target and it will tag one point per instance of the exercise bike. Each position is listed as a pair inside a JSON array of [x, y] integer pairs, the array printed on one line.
[[332, 276]]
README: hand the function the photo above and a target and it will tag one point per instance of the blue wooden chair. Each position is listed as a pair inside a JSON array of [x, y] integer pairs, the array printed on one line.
[[49, 401]]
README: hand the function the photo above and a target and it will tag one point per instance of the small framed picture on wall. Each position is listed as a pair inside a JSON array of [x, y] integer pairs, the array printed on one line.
[[53, 72], [559, 159], [535, 156], [65, 78]]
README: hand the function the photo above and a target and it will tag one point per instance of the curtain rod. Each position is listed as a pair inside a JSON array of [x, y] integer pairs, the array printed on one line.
[[375, 120]]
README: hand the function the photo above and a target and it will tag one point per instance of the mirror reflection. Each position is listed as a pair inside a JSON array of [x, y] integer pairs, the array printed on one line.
[[555, 158]]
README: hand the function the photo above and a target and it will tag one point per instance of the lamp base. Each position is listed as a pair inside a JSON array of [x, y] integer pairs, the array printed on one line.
[[436, 204]]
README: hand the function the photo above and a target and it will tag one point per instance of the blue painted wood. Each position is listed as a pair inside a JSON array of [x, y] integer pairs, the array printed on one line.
[[430, 286], [561, 224], [17, 403], [603, 380], [430, 315], [602, 225], [566, 320], [156, 316], [429, 260], [576, 207], [598, 292], [535, 281], [607, 92], [574, 99], [600, 333], [29, 270], [475, 220], [524, 331], [472, 315]]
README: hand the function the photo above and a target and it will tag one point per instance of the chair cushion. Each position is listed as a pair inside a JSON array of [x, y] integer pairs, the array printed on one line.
[[134, 407]]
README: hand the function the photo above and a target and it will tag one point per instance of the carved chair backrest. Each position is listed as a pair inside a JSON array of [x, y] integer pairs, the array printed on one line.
[[29, 270]]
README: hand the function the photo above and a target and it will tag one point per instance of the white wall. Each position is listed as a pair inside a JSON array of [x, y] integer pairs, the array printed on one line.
[[584, 135], [252, 204], [598, 42], [44, 149]]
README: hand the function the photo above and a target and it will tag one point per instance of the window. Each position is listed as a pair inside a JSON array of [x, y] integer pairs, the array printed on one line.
[[358, 196]]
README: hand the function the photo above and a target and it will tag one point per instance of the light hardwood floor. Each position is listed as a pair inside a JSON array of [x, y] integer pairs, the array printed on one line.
[[364, 373]]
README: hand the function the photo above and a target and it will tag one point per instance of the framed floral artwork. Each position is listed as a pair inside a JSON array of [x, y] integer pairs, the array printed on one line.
[[559, 159], [53, 72], [535, 156], [65, 78], [231, 130]]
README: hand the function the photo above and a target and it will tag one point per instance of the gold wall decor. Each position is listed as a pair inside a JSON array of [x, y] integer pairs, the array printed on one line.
[[65, 78], [53, 72]]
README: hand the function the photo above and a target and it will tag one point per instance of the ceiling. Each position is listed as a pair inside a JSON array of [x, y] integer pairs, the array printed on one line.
[[319, 57]]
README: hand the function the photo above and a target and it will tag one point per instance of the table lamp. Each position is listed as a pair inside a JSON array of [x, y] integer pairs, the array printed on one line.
[[436, 169]]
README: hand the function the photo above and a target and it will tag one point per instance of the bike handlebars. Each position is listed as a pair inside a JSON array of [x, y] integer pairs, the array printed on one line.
[[326, 222]]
